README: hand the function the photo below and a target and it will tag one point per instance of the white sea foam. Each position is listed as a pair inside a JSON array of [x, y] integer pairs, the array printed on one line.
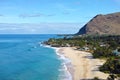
[[48, 46], [66, 61], [67, 75]]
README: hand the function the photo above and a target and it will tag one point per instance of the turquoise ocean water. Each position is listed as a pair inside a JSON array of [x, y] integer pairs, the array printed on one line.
[[22, 57]]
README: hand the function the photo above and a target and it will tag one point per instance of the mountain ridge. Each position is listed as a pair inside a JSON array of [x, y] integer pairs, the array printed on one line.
[[102, 24]]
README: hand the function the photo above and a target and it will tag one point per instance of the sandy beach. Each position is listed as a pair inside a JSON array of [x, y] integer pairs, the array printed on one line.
[[84, 66]]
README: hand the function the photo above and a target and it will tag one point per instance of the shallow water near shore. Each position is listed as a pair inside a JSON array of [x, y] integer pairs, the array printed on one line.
[[22, 57]]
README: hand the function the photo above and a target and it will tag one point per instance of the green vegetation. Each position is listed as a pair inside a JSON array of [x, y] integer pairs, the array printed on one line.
[[96, 78], [112, 65], [118, 49], [100, 46], [111, 77], [103, 52]]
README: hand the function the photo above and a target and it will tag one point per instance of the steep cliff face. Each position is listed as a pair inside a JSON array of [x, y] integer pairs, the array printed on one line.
[[102, 24]]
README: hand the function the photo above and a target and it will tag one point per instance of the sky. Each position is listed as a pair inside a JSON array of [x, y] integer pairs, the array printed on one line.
[[60, 16]]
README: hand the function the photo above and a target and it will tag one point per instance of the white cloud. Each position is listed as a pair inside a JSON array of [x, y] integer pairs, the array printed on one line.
[[30, 15], [1, 15], [9, 28], [35, 15], [43, 28]]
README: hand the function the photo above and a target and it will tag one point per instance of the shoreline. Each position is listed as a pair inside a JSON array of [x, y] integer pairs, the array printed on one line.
[[79, 65], [66, 63], [83, 65]]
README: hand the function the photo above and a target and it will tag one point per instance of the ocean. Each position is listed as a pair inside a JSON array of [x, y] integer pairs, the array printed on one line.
[[23, 57]]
